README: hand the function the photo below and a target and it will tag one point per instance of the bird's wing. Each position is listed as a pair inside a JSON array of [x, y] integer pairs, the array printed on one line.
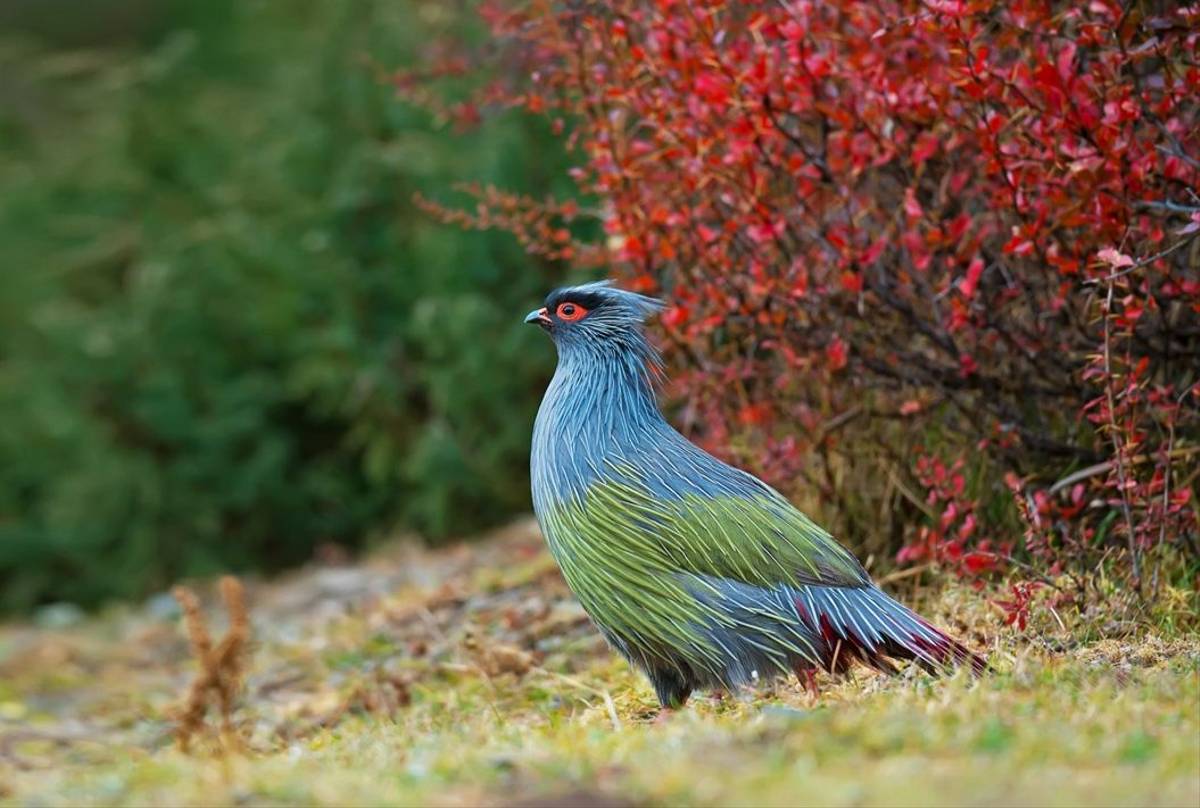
[[703, 517]]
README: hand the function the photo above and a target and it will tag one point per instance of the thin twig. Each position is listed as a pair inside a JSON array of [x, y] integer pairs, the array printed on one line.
[[1114, 433], [910, 496], [9, 740], [1150, 259], [1101, 468], [900, 575], [1173, 207]]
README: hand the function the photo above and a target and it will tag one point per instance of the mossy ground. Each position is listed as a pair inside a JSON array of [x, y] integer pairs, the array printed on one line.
[[469, 677]]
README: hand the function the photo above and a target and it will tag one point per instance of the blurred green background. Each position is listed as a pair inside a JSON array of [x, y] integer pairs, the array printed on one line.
[[226, 334]]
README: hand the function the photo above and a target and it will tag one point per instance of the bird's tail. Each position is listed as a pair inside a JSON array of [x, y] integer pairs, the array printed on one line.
[[864, 624]]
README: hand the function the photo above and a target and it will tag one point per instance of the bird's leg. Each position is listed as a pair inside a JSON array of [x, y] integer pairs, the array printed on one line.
[[808, 677], [670, 687]]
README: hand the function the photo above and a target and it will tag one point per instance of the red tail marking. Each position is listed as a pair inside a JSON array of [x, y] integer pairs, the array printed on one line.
[[801, 611], [946, 650]]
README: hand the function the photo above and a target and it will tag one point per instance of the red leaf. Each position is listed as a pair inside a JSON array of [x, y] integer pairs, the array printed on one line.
[[675, 316], [712, 88], [969, 283], [912, 208], [1114, 259], [837, 354], [925, 147], [978, 562], [753, 414]]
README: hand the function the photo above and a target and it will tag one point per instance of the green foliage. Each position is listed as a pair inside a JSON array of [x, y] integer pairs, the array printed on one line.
[[226, 335]]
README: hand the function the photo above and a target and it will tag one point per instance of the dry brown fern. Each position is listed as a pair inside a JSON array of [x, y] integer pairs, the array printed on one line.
[[221, 667]]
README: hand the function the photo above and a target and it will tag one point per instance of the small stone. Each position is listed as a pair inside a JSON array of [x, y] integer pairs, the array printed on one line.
[[780, 712], [58, 616], [163, 606]]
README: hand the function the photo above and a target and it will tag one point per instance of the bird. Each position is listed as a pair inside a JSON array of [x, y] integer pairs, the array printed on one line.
[[698, 573]]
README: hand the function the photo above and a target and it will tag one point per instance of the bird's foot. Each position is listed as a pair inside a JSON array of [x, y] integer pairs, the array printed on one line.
[[808, 678], [664, 716]]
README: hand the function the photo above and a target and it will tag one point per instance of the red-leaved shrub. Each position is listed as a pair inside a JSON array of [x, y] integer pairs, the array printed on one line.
[[882, 224]]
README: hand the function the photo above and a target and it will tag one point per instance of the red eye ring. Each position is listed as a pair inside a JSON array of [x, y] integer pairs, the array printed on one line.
[[570, 312]]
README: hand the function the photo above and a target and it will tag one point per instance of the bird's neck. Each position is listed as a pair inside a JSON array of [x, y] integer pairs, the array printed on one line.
[[600, 405], [599, 391]]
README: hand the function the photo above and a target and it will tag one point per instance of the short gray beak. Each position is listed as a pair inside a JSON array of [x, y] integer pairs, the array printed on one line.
[[538, 317]]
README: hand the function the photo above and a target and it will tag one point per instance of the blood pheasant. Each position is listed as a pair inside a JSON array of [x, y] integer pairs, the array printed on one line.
[[698, 573]]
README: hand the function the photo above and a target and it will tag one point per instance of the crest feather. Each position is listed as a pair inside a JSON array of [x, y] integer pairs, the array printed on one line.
[[604, 292]]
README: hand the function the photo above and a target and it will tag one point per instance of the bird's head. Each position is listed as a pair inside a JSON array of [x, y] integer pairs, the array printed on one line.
[[595, 315]]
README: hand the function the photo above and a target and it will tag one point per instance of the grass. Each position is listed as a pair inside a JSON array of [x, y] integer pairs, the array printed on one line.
[[470, 677]]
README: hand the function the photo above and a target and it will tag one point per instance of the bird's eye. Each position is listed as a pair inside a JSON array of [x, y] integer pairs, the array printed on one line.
[[570, 312]]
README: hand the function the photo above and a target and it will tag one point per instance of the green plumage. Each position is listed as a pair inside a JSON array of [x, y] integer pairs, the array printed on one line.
[[639, 563]]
